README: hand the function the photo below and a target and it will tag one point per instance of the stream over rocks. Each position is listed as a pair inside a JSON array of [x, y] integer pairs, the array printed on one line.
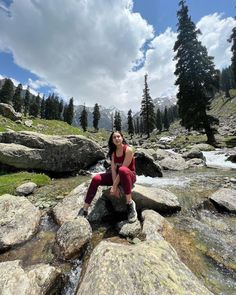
[[191, 251]]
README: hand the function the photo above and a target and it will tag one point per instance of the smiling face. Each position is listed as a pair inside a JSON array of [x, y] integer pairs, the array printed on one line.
[[117, 138]]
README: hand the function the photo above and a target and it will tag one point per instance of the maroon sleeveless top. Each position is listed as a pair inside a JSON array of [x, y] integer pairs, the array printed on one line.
[[119, 160]]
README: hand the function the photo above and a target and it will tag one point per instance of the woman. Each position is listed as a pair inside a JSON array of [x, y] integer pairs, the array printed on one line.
[[122, 174]]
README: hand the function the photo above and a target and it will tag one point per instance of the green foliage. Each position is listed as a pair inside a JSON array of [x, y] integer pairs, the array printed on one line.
[[227, 80], [96, 116], [9, 182], [159, 120], [197, 78], [68, 112], [117, 121], [27, 101], [147, 110], [7, 91], [84, 119], [233, 49], [130, 123], [34, 107], [166, 122], [17, 100], [136, 126], [42, 108]]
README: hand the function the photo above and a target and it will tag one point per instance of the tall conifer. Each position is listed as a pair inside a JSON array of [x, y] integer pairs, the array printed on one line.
[[26, 101], [7, 91], [166, 121], [84, 119], [196, 76], [17, 99], [147, 109], [130, 124], [233, 49], [96, 116], [159, 120], [117, 121]]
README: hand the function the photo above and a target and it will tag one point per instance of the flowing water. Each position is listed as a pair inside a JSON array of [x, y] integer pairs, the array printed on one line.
[[204, 239]]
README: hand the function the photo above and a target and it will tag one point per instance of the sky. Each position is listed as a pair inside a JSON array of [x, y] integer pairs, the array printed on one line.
[[98, 51]]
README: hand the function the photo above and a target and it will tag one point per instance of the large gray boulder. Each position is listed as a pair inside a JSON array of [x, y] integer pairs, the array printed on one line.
[[145, 197], [68, 209], [19, 220], [174, 162], [146, 268], [146, 165], [73, 235], [31, 150], [8, 111], [154, 225], [34, 280], [156, 199], [225, 199]]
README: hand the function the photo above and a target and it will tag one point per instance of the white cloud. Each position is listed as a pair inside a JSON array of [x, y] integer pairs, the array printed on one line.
[[84, 48], [215, 32], [87, 49]]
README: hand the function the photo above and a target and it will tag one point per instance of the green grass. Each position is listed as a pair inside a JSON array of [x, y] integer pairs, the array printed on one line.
[[52, 127], [222, 107], [9, 182]]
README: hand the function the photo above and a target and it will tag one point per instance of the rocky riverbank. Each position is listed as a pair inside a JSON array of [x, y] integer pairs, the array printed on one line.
[[190, 247]]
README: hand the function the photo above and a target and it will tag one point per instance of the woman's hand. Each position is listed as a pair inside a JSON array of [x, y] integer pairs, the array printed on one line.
[[115, 191]]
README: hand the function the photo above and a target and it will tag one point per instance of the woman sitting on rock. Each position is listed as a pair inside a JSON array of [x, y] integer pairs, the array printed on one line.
[[122, 175]]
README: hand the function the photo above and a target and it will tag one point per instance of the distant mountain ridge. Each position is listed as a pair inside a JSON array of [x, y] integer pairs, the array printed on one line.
[[106, 113]]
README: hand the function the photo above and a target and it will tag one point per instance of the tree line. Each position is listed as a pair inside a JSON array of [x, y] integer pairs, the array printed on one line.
[[50, 108]]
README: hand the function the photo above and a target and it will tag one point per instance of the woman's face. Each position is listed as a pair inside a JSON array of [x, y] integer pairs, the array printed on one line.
[[117, 138]]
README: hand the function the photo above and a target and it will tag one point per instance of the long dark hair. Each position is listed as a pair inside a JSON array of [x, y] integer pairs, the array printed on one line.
[[111, 145]]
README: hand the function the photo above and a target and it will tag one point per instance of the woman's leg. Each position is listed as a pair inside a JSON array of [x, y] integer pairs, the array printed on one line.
[[127, 179], [98, 179]]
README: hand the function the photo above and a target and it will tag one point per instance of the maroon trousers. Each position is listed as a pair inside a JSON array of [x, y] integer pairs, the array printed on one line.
[[127, 179]]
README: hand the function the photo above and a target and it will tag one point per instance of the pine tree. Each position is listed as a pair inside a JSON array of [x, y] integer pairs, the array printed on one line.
[[225, 84], [130, 124], [33, 106], [61, 107], [196, 77], [147, 109], [17, 100], [71, 111], [137, 129], [117, 121], [158, 120], [7, 91], [233, 49], [84, 119], [166, 122], [26, 101], [42, 108], [96, 116]]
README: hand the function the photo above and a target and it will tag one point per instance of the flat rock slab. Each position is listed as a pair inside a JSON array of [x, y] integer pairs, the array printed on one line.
[[19, 220], [150, 267], [154, 198], [225, 199], [35, 280]]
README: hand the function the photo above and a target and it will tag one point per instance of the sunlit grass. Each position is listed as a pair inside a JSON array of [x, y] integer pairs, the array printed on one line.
[[9, 182]]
